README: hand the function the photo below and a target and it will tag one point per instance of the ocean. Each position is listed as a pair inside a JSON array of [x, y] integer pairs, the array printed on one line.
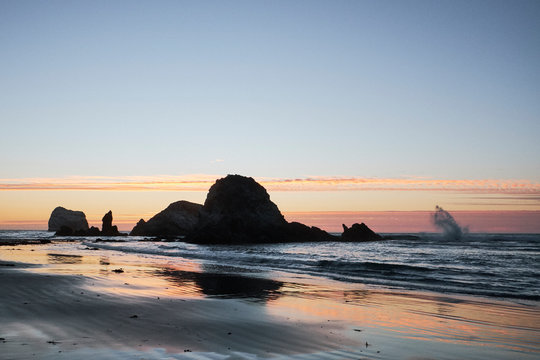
[[504, 266]]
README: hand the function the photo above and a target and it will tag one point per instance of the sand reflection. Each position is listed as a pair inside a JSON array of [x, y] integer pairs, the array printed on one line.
[[64, 259], [158, 288], [419, 316]]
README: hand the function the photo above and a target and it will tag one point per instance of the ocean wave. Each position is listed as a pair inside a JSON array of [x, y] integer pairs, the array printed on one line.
[[474, 266]]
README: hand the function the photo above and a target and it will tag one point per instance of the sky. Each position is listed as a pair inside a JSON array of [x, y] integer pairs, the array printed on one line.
[[332, 105]]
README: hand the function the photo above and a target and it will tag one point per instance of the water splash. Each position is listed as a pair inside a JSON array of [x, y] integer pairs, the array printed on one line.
[[446, 222]]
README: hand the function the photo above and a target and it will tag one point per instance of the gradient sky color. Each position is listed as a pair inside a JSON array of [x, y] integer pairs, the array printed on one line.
[[434, 102]]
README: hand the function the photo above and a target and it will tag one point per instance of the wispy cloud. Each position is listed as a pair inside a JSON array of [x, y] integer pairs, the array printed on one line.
[[202, 182], [195, 182], [404, 184]]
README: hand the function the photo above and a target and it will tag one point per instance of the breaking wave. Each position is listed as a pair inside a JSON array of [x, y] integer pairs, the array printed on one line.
[[446, 222]]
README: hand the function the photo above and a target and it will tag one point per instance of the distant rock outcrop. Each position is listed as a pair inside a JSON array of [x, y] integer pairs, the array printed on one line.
[[179, 218], [73, 223], [107, 228], [62, 217], [93, 231], [359, 233], [239, 210], [298, 232]]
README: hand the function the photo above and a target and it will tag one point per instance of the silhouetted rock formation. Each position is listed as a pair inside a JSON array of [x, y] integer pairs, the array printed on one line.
[[64, 231], [70, 229], [298, 232], [61, 217], [239, 210], [179, 218], [93, 231], [107, 228], [358, 233]]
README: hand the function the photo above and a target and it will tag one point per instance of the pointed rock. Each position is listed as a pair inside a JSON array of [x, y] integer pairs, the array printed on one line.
[[107, 228]]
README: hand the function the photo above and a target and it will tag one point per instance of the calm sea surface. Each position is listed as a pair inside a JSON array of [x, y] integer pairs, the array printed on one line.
[[490, 265]]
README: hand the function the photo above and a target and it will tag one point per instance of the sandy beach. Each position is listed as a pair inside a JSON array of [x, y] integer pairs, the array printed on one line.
[[61, 300]]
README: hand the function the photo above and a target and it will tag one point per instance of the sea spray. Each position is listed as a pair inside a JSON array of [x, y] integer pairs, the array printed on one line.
[[446, 222]]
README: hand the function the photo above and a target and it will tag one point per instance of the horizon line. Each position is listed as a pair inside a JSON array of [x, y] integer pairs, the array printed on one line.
[[481, 221]]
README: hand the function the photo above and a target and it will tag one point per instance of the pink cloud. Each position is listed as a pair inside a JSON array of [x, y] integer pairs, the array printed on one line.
[[420, 221]]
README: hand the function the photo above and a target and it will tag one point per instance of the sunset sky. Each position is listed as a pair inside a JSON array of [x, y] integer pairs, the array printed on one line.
[[334, 106]]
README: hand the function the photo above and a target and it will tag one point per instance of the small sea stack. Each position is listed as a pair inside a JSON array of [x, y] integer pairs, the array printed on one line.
[[107, 228], [359, 233], [73, 223]]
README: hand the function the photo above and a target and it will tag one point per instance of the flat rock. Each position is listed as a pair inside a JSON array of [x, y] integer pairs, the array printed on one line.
[[62, 217]]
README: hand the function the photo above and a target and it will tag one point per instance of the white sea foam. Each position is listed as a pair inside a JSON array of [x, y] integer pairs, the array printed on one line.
[[446, 222]]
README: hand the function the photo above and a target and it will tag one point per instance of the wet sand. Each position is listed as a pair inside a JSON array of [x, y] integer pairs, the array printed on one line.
[[67, 301]]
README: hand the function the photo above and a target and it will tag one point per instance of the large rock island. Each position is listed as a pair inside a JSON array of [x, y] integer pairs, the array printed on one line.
[[239, 210]]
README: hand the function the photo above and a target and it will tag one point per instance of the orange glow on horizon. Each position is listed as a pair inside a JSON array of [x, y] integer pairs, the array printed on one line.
[[386, 205], [511, 221], [203, 182]]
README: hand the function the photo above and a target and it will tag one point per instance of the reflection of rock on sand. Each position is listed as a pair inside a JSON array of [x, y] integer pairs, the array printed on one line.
[[225, 285], [64, 259]]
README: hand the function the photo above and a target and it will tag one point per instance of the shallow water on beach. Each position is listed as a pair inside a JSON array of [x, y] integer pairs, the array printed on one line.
[[492, 265], [421, 298]]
